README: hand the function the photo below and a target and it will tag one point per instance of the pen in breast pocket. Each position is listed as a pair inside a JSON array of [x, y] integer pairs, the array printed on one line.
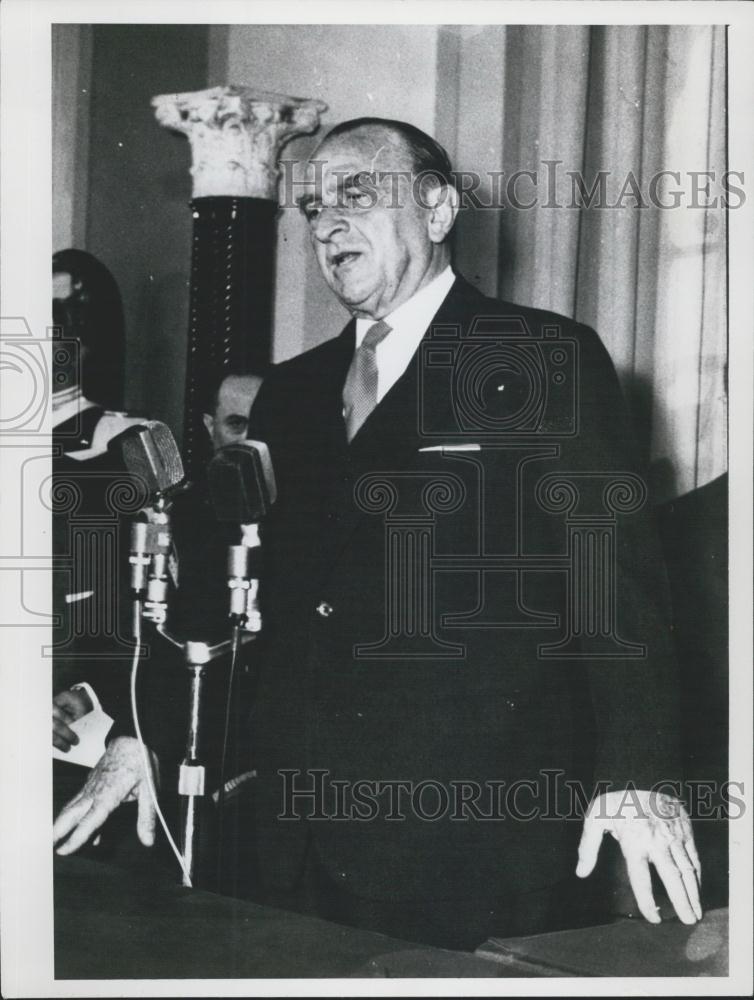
[[452, 447]]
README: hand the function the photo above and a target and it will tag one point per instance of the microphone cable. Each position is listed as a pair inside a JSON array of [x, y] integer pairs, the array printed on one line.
[[148, 766], [236, 645]]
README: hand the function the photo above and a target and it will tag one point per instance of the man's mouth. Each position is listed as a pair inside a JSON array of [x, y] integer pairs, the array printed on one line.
[[342, 260]]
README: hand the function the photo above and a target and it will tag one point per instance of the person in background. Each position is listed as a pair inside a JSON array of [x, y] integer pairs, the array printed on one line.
[[201, 557], [88, 359], [87, 400], [227, 415]]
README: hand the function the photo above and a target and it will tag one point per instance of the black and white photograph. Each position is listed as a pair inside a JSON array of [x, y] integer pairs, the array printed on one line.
[[376, 444]]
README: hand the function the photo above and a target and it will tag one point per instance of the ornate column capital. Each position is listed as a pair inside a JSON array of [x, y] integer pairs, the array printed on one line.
[[409, 497], [236, 134]]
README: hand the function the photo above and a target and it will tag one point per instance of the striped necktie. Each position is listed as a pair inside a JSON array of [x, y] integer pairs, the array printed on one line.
[[360, 388]]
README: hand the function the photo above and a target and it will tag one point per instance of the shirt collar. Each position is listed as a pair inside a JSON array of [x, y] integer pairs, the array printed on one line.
[[415, 314], [67, 404]]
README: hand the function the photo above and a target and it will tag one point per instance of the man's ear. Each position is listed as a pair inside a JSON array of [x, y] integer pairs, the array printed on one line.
[[209, 422], [442, 202]]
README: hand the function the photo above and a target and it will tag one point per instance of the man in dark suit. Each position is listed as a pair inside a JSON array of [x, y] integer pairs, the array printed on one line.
[[460, 614], [87, 381]]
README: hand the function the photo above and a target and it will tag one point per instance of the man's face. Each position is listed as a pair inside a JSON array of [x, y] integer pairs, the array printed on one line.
[[67, 313], [369, 234], [62, 285], [230, 420]]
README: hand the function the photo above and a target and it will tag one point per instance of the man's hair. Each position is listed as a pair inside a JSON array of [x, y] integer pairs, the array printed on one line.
[[212, 395], [93, 314], [428, 157]]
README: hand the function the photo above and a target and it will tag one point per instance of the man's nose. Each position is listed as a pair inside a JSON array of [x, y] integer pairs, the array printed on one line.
[[330, 221]]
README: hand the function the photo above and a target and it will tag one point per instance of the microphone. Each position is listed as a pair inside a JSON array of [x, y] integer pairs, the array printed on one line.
[[242, 490], [149, 451], [242, 482]]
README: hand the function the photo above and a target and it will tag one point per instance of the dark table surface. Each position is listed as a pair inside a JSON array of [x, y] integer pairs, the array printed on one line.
[[624, 948], [111, 923]]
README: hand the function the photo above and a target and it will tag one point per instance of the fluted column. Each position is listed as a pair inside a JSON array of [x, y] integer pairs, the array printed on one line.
[[410, 503], [235, 134], [88, 507], [591, 502]]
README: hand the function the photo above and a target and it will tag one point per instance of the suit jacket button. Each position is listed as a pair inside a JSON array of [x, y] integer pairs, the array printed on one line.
[[324, 609]]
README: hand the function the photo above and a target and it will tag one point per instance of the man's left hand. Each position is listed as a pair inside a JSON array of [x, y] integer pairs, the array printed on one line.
[[67, 707], [649, 826]]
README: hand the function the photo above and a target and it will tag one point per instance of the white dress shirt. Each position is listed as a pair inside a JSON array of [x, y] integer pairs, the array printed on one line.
[[408, 324], [72, 403], [69, 403]]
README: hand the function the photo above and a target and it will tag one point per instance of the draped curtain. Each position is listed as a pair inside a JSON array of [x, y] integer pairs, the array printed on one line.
[[572, 101]]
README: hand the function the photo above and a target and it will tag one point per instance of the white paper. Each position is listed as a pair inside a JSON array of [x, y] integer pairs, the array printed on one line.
[[91, 730]]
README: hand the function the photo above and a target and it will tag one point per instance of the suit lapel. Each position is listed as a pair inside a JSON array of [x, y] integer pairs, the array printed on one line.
[[391, 436], [330, 376], [393, 432]]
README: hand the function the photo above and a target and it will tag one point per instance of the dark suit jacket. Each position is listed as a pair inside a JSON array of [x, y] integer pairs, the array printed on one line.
[[92, 502], [77, 432], [484, 702]]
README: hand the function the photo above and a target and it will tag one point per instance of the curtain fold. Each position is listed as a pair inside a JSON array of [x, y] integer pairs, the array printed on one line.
[[591, 117]]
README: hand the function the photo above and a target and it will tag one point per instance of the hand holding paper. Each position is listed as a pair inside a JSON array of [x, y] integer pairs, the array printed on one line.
[[79, 726]]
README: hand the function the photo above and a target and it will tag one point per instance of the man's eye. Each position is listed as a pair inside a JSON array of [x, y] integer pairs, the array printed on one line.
[[312, 212], [236, 424], [358, 197]]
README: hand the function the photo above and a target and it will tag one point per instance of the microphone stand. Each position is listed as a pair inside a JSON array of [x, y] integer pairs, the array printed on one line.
[[150, 563], [149, 559], [150, 543], [192, 774]]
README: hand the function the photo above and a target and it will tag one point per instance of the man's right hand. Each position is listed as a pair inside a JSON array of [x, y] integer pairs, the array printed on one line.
[[118, 777], [66, 708]]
